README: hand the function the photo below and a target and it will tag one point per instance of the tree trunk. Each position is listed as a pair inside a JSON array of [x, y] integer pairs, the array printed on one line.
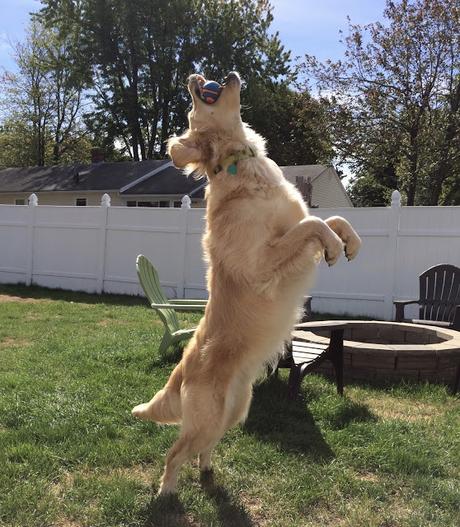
[[413, 164], [444, 167], [164, 127]]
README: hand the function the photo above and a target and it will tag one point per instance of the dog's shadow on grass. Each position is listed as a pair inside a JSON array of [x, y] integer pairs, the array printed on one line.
[[290, 424], [231, 512], [168, 511]]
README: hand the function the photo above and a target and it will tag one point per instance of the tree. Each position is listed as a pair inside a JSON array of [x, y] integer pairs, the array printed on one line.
[[26, 95], [16, 144], [294, 124], [398, 109], [142, 52], [43, 101], [139, 55]]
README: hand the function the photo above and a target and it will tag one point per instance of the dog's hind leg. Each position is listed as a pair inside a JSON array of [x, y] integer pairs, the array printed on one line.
[[237, 410], [204, 460], [165, 406], [188, 445], [203, 425]]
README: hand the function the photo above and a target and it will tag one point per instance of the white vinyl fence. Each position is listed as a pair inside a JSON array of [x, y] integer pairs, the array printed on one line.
[[94, 249]]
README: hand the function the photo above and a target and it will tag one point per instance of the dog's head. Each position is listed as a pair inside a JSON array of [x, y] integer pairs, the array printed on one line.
[[224, 113], [212, 127]]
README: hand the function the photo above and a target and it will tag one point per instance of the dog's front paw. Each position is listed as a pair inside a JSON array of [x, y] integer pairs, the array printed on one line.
[[333, 249], [352, 245]]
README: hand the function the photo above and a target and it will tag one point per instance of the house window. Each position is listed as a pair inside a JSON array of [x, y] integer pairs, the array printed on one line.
[[20, 202], [156, 203], [80, 202]]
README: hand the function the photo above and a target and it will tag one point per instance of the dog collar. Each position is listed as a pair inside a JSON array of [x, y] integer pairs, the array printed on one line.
[[232, 160]]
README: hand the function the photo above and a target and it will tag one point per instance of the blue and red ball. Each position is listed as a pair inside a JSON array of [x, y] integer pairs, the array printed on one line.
[[210, 91]]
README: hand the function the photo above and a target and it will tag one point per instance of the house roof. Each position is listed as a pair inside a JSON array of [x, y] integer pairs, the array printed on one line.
[[152, 177], [98, 176], [167, 181]]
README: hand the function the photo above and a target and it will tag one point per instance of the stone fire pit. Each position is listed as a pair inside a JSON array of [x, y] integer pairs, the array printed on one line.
[[390, 350]]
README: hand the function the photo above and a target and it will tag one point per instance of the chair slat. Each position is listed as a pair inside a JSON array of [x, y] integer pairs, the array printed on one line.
[[309, 345], [303, 360], [439, 293], [150, 282], [305, 353]]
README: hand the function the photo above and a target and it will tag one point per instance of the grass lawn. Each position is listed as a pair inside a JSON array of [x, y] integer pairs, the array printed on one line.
[[73, 365]]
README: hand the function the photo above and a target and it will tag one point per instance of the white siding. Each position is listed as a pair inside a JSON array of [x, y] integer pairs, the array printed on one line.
[[328, 191]]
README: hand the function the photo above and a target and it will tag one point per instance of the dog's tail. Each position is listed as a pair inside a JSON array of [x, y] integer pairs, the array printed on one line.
[[165, 407]]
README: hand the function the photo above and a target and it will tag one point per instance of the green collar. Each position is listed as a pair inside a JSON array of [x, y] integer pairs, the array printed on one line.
[[232, 160]]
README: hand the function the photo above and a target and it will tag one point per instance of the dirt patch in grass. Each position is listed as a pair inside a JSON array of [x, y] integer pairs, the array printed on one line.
[[111, 322], [368, 476], [66, 523], [142, 473], [254, 506], [324, 519], [405, 410], [33, 317], [9, 342], [4, 299], [64, 483]]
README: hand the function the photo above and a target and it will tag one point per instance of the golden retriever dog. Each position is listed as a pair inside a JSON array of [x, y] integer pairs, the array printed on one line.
[[262, 249]]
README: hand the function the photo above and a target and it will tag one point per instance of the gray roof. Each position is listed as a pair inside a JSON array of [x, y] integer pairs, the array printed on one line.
[[99, 176], [167, 181]]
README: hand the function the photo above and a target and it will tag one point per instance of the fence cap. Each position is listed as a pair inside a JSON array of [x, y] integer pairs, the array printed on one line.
[[396, 198], [186, 202], [33, 200], [105, 200]]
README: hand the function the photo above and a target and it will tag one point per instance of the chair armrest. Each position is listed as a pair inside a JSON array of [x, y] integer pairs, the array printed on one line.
[[181, 301], [179, 307], [400, 304], [456, 323], [321, 324]]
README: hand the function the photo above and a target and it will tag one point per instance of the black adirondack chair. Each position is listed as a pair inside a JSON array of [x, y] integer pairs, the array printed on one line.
[[439, 298]]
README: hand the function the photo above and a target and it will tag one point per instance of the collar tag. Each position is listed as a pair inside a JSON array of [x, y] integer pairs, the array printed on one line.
[[232, 169], [233, 160]]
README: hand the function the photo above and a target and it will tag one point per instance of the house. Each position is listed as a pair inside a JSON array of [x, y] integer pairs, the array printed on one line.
[[151, 183], [320, 185]]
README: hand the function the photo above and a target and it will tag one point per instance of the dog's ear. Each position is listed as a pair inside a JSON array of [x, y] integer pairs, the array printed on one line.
[[183, 151]]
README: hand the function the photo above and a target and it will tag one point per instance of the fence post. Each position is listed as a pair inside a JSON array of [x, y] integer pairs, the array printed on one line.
[[33, 202], [393, 230], [185, 207], [105, 204]]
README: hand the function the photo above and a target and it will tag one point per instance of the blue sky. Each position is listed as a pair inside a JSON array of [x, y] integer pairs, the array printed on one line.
[[305, 26], [14, 17], [312, 27]]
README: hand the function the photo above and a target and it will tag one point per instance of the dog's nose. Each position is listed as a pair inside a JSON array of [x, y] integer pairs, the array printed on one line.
[[196, 77], [233, 76]]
